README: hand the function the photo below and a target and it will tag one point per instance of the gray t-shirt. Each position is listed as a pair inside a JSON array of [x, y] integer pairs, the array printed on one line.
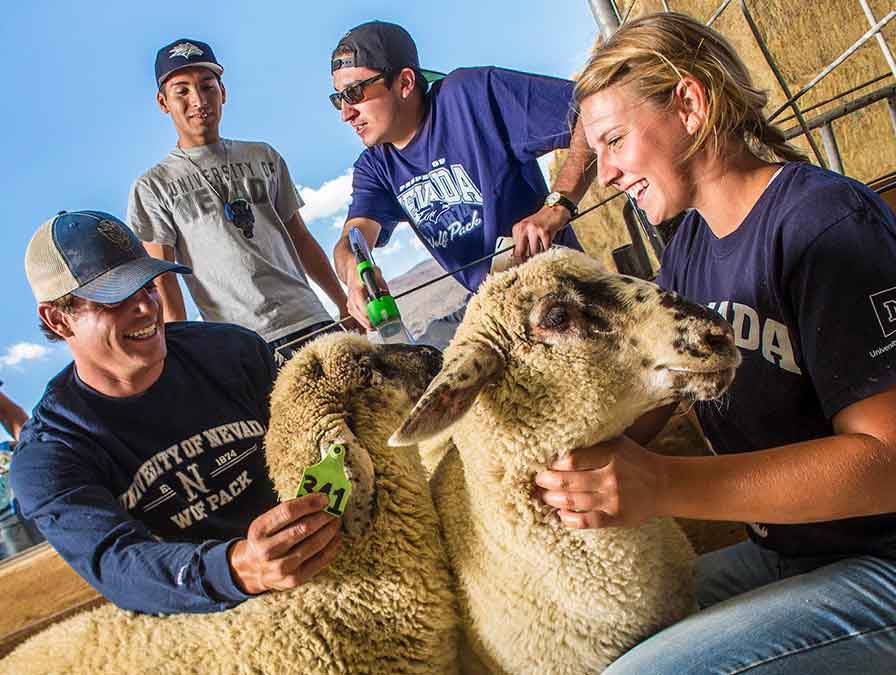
[[255, 282]]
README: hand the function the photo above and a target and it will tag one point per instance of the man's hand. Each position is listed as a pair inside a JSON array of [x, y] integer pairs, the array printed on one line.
[[349, 323], [611, 484], [285, 546], [534, 234], [358, 298]]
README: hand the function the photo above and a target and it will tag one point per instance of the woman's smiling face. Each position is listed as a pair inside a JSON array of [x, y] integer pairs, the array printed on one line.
[[639, 149]]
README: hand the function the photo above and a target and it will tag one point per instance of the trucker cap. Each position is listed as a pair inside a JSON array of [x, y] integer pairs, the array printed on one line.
[[90, 254], [184, 53], [380, 46]]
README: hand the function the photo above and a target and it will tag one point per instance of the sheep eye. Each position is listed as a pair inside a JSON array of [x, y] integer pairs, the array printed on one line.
[[555, 317]]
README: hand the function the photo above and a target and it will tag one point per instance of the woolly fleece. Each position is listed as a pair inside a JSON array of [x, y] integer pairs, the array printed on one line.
[[553, 355], [385, 604]]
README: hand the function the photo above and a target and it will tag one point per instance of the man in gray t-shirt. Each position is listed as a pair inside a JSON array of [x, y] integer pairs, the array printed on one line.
[[229, 210]]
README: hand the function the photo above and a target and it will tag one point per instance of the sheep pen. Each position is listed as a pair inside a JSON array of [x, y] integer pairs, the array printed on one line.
[[554, 355], [384, 605]]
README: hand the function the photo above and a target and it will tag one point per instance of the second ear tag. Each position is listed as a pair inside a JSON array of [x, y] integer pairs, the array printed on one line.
[[328, 476]]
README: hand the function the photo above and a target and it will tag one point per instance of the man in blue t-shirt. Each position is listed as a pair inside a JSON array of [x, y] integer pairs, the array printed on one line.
[[457, 159], [142, 463]]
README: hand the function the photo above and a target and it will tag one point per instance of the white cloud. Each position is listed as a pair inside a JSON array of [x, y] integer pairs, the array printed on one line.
[[23, 351], [417, 244], [331, 198], [392, 247]]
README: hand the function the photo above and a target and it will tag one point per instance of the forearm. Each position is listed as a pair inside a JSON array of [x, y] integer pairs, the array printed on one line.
[[842, 476], [173, 308], [579, 169], [316, 264], [343, 260], [134, 571], [12, 416]]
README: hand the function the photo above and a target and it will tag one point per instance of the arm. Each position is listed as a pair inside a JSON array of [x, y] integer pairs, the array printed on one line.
[[121, 558], [173, 306], [315, 262], [848, 474], [344, 261], [12, 416], [535, 233], [154, 224]]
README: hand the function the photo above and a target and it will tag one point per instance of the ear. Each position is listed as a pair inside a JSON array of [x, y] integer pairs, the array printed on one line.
[[691, 103], [451, 393], [223, 92], [337, 434], [407, 79], [160, 99], [55, 319]]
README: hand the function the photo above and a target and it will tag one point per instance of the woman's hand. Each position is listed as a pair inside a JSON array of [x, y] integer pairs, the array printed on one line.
[[611, 484]]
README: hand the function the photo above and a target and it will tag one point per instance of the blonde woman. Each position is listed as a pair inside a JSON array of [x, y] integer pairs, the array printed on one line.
[[802, 262]]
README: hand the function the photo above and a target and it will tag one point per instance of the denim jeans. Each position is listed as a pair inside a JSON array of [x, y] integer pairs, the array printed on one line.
[[764, 614]]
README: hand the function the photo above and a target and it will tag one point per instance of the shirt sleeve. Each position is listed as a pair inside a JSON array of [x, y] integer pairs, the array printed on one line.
[[287, 200], [839, 291], [148, 217], [537, 111], [114, 552], [372, 198]]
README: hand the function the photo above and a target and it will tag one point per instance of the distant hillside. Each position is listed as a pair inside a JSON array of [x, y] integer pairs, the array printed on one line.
[[432, 302]]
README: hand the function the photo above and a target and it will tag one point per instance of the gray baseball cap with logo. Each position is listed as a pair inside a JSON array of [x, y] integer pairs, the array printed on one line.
[[92, 255]]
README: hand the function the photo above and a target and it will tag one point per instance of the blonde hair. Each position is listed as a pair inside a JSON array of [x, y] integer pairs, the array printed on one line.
[[653, 53]]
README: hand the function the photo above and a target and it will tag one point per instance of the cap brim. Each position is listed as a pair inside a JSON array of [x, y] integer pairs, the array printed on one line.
[[432, 75], [214, 67], [122, 282]]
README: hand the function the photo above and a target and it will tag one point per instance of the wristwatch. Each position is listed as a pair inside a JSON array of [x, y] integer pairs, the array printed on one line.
[[558, 199]]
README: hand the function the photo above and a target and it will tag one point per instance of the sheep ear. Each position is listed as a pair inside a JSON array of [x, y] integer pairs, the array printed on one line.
[[339, 434], [450, 394]]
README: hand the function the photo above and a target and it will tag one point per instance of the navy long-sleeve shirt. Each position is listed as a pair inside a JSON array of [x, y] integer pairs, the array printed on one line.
[[143, 495]]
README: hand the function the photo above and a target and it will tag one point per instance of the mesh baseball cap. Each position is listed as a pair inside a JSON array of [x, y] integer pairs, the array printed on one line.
[[380, 46], [90, 254], [184, 53]]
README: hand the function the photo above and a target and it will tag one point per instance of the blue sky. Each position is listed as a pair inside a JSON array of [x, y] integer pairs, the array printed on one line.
[[80, 120]]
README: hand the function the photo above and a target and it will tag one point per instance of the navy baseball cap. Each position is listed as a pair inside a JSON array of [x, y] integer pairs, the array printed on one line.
[[184, 53], [379, 45], [90, 254]]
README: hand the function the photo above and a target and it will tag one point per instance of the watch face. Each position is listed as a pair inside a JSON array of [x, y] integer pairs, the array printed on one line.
[[552, 199]]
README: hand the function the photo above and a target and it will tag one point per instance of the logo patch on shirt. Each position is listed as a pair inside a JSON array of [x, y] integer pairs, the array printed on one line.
[[884, 304]]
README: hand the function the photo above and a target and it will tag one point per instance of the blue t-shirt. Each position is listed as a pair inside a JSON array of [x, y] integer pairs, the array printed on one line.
[[470, 173], [144, 494], [808, 281]]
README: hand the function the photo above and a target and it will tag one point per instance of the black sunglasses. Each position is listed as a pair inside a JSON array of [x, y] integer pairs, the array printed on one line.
[[353, 93]]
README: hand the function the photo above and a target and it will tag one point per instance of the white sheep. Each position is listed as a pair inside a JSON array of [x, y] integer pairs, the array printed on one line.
[[384, 605], [554, 355]]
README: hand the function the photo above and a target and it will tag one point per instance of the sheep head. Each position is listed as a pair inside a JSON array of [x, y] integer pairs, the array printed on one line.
[[341, 389], [563, 354]]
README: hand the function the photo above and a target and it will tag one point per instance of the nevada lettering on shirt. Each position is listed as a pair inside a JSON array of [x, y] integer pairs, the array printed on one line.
[[173, 466], [217, 175], [194, 197], [430, 200], [751, 332]]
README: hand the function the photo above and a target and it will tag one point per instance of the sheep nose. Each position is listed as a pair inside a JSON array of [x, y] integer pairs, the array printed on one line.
[[717, 341], [718, 336]]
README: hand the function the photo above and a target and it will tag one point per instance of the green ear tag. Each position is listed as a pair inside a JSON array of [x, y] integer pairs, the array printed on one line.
[[328, 476]]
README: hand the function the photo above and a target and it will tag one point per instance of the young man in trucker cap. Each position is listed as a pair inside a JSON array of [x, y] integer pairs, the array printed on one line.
[[453, 155], [122, 464], [229, 210]]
